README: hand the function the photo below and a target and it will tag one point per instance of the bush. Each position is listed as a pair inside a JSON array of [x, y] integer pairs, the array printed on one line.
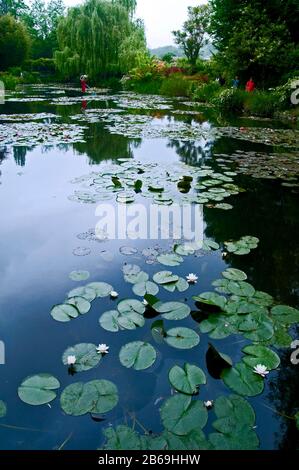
[[206, 92], [40, 65], [14, 42], [175, 85], [261, 103], [10, 81], [230, 100]]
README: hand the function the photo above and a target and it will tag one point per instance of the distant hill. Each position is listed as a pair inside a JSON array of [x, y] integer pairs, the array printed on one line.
[[206, 51]]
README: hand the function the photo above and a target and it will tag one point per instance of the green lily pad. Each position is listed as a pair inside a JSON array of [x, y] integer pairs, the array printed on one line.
[[79, 276], [38, 389], [128, 306], [209, 245], [180, 415], [78, 398], [137, 355], [143, 288], [241, 288], [170, 259], [242, 380], [184, 250], [115, 321], [234, 274], [86, 292], [101, 289], [172, 310], [121, 438], [64, 312], [81, 304], [257, 354], [218, 326], [235, 422], [165, 277], [186, 379], [107, 396], [86, 355], [182, 338], [286, 315], [211, 298]]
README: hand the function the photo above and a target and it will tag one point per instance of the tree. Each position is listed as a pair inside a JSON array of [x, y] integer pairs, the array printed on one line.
[[256, 37], [133, 49], [14, 42], [42, 21], [15, 8], [94, 36], [193, 35]]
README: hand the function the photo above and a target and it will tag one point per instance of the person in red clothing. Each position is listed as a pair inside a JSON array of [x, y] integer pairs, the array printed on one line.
[[250, 85], [84, 85]]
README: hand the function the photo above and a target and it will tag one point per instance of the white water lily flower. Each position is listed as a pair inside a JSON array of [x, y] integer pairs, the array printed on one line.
[[103, 349], [261, 370], [145, 302], [209, 404], [192, 278], [114, 294], [71, 360]]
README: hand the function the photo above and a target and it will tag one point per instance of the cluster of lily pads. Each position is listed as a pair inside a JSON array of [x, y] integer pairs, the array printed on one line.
[[288, 138], [129, 179], [27, 117], [35, 133], [272, 166]]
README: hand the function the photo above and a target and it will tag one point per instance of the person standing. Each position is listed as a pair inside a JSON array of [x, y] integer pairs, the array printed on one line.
[[84, 85], [236, 82], [250, 85]]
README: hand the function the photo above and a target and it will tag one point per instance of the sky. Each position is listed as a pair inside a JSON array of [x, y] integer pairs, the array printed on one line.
[[161, 17]]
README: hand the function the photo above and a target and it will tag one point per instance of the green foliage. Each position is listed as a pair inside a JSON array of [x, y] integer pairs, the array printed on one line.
[[97, 37], [192, 36], [261, 104], [175, 85], [206, 92], [14, 42], [256, 38], [230, 100], [43, 65], [15, 8]]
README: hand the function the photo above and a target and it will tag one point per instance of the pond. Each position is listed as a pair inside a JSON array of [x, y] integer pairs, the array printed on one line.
[[192, 341]]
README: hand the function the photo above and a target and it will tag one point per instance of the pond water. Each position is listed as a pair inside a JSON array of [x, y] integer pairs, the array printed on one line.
[[58, 154]]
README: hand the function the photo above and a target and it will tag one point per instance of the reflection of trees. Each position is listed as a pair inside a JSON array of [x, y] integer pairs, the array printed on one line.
[[269, 212], [19, 154], [192, 152], [3, 154], [101, 145], [285, 400]]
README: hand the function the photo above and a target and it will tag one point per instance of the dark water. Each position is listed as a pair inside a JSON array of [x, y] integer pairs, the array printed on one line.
[[39, 228]]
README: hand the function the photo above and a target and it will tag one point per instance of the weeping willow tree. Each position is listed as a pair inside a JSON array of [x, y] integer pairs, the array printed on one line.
[[91, 38]]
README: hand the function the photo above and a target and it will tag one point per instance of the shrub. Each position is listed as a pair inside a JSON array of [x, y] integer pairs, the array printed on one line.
[[44, 65], [230, 100], [261, 103], [14, 42], [10, 81], [175, 85], [206, 92]]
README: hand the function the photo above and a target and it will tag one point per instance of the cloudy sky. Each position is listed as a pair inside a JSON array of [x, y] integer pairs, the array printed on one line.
[[161, 17]]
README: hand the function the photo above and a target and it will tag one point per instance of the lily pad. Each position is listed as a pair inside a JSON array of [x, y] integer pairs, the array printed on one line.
[[180, 415], [86, 355], [107, 396], [137, 355], [78, 398], [86, 292], [182, 338], [165, 277], [242, 380], [170, 259], [211, 298], [234, 274], [101, 289], [64, 312], [235, 422], [257, 354], [186, 379], [284, 314], [115, 321], [38, 389], [81, 304], [143, 288], [172, 310], [79, 276], [121, 438]]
